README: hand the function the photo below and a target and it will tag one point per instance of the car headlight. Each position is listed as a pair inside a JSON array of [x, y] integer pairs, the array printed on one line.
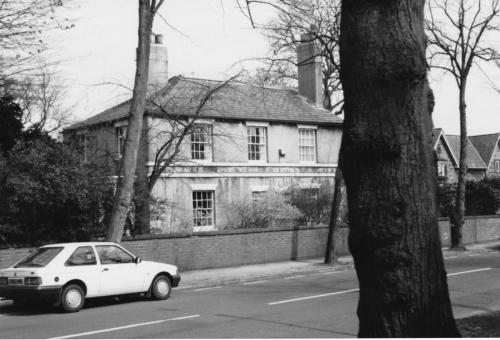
[[4, 281], [32, 281]]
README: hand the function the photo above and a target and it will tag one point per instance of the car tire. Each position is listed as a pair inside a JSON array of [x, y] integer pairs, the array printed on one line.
[[161, 287], [72, 298]]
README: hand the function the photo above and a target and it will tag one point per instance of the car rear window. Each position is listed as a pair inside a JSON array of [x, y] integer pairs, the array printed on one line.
[[40, 257]]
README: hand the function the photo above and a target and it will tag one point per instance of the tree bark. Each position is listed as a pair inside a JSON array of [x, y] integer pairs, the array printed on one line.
[[458, 221], [331, 253], [125, 184], [390, 172]]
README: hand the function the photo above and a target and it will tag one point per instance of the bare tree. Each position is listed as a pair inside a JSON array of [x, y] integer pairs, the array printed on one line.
[[320, 19], [22, 23], [390, 172], [458, 36], [128, 164], [168, 151]]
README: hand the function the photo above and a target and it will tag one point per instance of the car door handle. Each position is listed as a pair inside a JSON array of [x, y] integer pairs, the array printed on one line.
[[105, 269]]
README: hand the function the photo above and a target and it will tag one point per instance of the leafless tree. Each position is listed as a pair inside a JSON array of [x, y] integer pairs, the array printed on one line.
[[318, 18], [171, 138], [22, 23], [121, 202], [459, 37]]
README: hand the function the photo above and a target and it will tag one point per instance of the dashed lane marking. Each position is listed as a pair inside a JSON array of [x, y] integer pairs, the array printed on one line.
[[125, 327], [254, 282], [469, 271], [312, 297], [208, 288]]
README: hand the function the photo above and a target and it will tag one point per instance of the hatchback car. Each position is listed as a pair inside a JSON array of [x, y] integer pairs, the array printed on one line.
[[68, 273]]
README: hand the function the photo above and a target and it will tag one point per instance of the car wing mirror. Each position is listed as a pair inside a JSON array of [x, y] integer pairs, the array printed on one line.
[[137, 260]]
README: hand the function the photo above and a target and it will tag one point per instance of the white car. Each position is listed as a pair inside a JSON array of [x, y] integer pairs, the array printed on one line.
[[68, 273]]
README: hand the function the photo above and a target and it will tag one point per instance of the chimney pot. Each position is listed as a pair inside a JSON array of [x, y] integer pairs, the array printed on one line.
[[159, 39]]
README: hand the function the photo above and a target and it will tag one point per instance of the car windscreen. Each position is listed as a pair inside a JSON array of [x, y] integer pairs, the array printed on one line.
[[40, 257]]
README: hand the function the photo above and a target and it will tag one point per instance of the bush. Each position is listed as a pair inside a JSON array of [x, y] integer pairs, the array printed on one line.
[[48, 194], [270, 210], [481, 197], [315, 204]]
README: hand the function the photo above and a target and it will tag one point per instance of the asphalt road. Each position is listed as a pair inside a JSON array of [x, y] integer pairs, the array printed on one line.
[[312, 306]]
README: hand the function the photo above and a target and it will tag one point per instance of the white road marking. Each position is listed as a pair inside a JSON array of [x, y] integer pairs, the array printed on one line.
[[329, 273], [294, 277], [312, 297], [124, 327], [254, 282], [200, 289], [470, 271]]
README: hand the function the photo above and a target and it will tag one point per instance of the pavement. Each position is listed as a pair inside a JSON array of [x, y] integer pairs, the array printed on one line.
[[206, 278]]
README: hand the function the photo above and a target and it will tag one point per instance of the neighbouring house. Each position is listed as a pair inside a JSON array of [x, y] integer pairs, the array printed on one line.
[[447, 149], [488, 147], [244, 141]]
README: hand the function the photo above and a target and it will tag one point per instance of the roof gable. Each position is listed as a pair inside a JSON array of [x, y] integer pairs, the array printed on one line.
[[474, 160], [485, 145]]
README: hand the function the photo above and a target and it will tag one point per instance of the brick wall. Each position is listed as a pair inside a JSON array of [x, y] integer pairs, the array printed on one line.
[[233, 248]]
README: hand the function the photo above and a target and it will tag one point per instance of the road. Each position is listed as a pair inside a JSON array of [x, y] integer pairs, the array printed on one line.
[[312, 306]]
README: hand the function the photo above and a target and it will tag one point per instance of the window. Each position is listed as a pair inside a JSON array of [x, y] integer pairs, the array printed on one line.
[[497, 165], [203, 210], [257, 143], [82, 256], [83, 144], [113, 254], [121, 135], [200, 142], [40, 258], [442, 169], [307, 145]]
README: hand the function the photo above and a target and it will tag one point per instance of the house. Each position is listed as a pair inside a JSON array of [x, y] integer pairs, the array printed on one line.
[[245, 140], [488, 147], [447, 149]]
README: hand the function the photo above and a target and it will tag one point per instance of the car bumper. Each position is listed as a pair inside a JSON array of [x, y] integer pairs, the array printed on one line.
[[30, 292], [175, 280]]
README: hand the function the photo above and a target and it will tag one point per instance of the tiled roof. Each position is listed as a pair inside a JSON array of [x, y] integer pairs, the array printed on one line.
[[485, 145], [234, 100], [474, 160]]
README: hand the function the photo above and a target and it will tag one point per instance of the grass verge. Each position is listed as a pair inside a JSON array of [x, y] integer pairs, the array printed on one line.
[[480, 326]]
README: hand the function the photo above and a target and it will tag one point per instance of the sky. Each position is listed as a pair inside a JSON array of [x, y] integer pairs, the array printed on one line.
[[207, 39]]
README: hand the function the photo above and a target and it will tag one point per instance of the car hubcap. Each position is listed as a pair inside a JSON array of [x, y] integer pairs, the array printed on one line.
[[73, 298], [162, 287]]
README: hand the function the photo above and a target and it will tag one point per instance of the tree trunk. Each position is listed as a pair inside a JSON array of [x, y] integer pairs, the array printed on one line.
[[458, 221], [331, 253], [390, 172], [125, 184]]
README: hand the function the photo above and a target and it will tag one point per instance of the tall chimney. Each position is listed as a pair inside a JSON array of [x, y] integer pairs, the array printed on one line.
[[158, 64], [309, 68]]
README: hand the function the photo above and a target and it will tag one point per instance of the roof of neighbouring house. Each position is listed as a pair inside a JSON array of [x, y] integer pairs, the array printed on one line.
[[226, 100], [485, 145], [474, 160]]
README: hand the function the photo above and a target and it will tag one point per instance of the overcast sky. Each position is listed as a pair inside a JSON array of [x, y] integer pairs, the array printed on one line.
[[207, 39]]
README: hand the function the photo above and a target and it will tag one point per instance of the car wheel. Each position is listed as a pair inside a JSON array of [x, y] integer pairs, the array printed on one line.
[[161, 287], [72, 298]]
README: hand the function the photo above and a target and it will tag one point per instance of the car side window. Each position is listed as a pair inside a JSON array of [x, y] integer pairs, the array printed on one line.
[[82, 256], [113, 254]]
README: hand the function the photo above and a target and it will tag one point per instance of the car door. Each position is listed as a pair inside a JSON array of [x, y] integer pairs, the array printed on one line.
[[82, 265], [119, 273]]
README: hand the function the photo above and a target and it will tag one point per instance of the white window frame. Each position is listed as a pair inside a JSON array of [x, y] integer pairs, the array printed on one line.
[[84, 144], [121, 136], [261, 144], [497, 165], [206, 145], [307, 143], [208, 211], [442, 169]]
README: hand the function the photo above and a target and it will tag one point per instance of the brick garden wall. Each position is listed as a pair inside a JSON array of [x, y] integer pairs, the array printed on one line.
[[234, 248]]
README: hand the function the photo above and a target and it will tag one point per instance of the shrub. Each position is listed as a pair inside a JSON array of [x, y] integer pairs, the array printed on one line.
[[270, 210], [315, 204]]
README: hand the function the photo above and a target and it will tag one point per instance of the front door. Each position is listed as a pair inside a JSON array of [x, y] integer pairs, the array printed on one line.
[[119, 273]]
